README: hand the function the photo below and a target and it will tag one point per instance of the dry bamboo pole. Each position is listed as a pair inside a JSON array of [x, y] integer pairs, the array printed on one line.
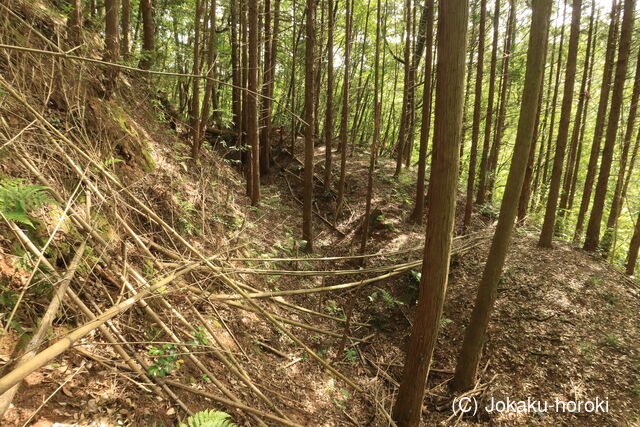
[[294, 322], [64, 343], [152, 215], [238, 372], [279, 301], [183, 348], [112, 340], [45, 323], [234, 404]]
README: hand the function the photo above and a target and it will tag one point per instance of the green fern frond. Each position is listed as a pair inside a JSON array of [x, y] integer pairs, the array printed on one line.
[[18, 199], [209, 418]]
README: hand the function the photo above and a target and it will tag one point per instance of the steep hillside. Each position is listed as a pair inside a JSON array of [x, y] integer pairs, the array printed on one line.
[[182, 297]]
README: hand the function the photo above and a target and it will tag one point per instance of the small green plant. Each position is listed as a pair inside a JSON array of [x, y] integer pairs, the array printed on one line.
[[612, 340], [636, 390], [167, 360], [17, 200], [199, 338], [594, 281], [489, 210], [444, 322], [587, 349], [389, 299], [332, 307], [351, 355], [611, 297], [342, 403], [209, 418]]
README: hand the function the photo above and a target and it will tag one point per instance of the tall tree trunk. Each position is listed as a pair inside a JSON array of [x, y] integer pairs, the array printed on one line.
[[236, 96], [344, 119], [598, 130], [620, 190], [418, 209], [593, 228], [209, 87], [148, 35], [308, 117], [475, 127], [583, 120], [270, 38], [112, 46], [554, 103], [452, 23], [504, 100], [406, 101], [195, 91], [125, 41], [328, 118], [634, 246], [252, 102], [484, 160], [467, 91], [376, 133], [541, 153], [575, 136], [475, 334], [75, 22], [523, 202], [563, 129]]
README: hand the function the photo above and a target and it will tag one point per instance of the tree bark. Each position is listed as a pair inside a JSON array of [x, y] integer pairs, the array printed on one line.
[[556, 91], [310, 41], [195, 91], [148, 35], [328, 118], [475, 334], [112, 47], [484, 160], [452, 23], [475, 127], [598, 130], [236, 96], [620, 191], [406, 101], [344, 119], [376, 134], [252, 102], [125, 41], [548, 226], [75, 22], [592, 238], [418, 209], [575, 135], [504, 100], [209, 87]]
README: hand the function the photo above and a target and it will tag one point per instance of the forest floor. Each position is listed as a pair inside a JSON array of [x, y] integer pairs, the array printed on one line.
[[565, 324]]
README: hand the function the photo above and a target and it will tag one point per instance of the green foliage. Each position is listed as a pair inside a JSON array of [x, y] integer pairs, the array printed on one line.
[[209, 418], [342, 402], [587, 349], [444, 322], [332, 307], [17, 200], [594, 281], [489, 210], [612, 340], [351, 355], [388, 299], [167, 360]]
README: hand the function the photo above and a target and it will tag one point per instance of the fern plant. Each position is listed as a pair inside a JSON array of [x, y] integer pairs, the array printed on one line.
[[18, 199], [209, 418]]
